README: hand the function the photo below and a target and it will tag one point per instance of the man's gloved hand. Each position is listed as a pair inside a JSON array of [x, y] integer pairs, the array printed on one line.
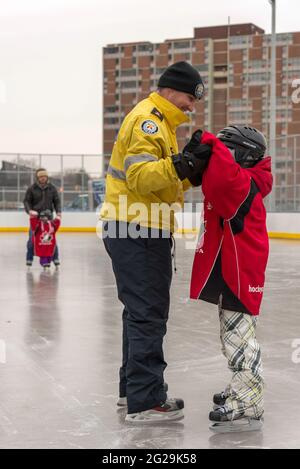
[[202, 152], [194, 142], [188, 165], [33, 213]]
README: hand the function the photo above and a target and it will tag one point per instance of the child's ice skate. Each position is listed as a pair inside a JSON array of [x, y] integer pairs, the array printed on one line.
[[223, 420]]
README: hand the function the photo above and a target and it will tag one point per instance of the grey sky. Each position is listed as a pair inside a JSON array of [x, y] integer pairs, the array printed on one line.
[[51, 53]]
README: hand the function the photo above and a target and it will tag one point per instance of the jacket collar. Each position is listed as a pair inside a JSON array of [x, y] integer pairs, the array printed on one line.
[[171, 113], [42, 187]]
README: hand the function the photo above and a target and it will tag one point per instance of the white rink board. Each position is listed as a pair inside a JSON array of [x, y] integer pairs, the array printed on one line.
[[276, 222]]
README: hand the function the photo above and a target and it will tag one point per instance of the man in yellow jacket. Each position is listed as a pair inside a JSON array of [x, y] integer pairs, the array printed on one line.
[[145, 182]]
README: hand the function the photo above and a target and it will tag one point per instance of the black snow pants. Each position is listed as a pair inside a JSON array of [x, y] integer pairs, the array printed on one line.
[[143, 272]]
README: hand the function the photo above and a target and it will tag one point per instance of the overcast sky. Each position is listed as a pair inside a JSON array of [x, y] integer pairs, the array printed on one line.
[[51, 54]]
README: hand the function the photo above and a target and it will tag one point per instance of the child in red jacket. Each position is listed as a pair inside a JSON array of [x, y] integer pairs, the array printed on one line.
[[43, 237], [230, 263]]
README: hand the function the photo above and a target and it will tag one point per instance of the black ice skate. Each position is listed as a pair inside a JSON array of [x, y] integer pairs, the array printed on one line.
[[170, 410], [223, 420]]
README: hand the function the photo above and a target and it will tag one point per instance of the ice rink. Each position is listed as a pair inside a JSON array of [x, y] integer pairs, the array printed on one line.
[[60, 346]]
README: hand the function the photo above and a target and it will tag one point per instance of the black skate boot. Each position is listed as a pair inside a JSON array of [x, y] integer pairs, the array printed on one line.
[[225, 421], [170, 410]]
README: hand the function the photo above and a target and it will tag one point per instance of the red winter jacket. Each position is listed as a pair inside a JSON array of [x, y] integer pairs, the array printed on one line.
[[43, 236], [233, 247]]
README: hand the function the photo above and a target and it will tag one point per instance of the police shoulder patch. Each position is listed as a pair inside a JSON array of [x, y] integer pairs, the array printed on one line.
[[149, 127]]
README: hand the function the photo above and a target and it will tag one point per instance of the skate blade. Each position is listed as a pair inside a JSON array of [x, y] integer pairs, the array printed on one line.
[[241, 425], [154, 419]]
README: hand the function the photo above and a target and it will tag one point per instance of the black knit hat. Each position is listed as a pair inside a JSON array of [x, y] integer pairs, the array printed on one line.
[[182, 76]]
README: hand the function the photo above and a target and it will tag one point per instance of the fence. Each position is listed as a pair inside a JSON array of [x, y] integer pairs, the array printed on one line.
[[75, 177]]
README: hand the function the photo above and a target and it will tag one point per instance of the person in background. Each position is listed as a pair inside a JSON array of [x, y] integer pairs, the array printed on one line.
[[43, 228], [41, 196]]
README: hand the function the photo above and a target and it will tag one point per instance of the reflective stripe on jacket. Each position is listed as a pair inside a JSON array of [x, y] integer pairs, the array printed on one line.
[[141, 175]]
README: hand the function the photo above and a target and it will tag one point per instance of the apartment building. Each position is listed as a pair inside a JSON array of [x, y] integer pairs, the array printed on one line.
[[234, 62]]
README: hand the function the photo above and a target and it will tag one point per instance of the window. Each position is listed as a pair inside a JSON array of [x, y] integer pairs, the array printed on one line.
[[281, 115], [220, 80], [108, 109], [160, 70], [258, 77], [128, 84], [145, 47], [240, 116], [111, 50], [238, 102], [238, 41], [257, 63], [281, 39], [182, 45], [293, 62], [111, 120], [130, 72], [201, 68]]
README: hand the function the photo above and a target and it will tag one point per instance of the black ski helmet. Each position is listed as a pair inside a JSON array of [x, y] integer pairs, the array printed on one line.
[[248, 143]]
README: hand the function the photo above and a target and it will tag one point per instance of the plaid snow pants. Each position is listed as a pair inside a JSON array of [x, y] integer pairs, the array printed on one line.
[[242, 351]]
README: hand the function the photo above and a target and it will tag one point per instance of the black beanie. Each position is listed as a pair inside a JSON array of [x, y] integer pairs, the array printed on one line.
[[182, 76]]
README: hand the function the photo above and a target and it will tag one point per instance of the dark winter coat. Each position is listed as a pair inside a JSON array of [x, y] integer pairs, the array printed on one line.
[[40, 198]]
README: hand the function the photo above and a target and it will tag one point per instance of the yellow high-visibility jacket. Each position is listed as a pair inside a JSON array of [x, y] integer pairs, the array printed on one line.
[[142, 185]]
